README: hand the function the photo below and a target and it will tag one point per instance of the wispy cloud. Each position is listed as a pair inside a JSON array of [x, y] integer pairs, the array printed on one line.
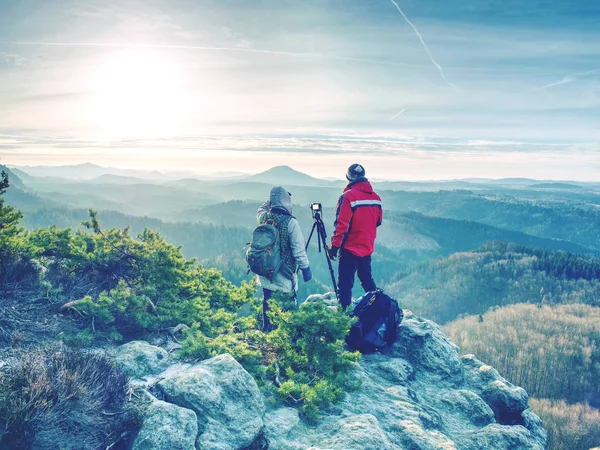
[[12, 59], [215, 49], [146, 20], [358, 145], [388, 157], [424, 46]]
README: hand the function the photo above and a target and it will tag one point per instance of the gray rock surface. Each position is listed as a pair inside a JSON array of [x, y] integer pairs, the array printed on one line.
[[506, 400], [499, 437], [418, 395], [139, 359], [225, 398], [358, 432], [167, 426], [425, 346], [469, 405]]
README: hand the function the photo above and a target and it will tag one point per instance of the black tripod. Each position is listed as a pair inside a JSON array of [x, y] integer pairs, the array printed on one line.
[[321, 240]]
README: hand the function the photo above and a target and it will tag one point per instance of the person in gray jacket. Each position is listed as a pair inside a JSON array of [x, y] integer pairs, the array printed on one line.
[[293, 254]]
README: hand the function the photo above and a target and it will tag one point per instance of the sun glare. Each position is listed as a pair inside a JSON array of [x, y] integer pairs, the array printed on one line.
[[137, 93]]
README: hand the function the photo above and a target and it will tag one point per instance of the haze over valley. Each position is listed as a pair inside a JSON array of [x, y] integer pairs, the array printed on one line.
[[138, 139]]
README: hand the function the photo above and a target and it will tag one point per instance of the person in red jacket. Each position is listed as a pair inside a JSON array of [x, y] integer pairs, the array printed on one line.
[[357, 216]]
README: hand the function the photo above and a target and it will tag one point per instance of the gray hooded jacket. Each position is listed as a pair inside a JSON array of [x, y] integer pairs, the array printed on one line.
[[280, 199]]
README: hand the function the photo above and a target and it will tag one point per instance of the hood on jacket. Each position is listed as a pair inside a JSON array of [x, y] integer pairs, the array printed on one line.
[[281, 199], [362, 185]]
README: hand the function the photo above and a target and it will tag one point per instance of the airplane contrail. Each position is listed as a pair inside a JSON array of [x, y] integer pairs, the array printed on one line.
[[568, 79], [565, 80], [424, 46], [397, 114], [213, 49]]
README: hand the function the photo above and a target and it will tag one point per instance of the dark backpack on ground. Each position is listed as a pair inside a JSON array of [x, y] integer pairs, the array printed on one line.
[[374, 309], [264, 251]]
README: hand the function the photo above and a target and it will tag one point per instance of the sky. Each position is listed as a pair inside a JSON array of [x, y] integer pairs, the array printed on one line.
[[436, 89]]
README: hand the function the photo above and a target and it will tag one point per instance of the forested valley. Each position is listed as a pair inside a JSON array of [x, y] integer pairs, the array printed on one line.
[[511, 271]]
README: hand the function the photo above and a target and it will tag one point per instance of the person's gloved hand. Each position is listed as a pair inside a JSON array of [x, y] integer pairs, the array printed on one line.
[[306, 274], [333, 251]]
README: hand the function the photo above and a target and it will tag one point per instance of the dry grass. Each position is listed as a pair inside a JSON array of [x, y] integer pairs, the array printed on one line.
[[62, 398]]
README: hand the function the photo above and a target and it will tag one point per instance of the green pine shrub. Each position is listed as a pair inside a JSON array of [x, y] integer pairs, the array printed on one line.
[[310, 362], [302, 362], [14, 268], [63, 398], [116, 287], [121, 286]]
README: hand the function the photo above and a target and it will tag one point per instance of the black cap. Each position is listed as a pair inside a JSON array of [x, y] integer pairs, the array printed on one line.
[[355, 171]]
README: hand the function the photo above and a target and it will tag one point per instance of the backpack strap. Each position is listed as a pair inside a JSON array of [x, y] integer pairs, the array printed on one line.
[[394, 318], [269, 221]]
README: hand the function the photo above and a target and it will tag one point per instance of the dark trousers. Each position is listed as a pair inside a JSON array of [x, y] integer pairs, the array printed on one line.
[[348, 266]]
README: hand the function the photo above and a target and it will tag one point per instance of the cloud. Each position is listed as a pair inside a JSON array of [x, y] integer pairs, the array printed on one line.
[[390, 157], [145, 18], [92, 11], [303, 55], [372, 145], [13, 59]]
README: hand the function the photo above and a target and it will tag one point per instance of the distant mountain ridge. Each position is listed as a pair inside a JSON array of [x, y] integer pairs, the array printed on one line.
[[117, 179], [87, 171], [556, 186], [13, 179], [285, 175]]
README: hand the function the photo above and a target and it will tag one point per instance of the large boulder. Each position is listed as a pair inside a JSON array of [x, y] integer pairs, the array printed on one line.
[[286, 431], [424, 345], [358, 432], [506, 400], [469, 405], [139, 359], [418, 394], [534, 424], [283, 427], [500, 437], [412, 435], [225, 398], [167, 426]]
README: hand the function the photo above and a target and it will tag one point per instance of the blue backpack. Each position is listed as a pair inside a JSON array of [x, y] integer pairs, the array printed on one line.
[[374, 310]]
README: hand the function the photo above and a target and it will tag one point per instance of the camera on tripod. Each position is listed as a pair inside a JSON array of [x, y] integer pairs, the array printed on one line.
[[316, 208], [319, 226]]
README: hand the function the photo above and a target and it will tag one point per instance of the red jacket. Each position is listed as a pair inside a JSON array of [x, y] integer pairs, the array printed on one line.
[[357, 216]]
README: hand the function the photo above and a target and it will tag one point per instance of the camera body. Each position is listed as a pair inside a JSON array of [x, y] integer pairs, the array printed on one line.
[[316, 208]]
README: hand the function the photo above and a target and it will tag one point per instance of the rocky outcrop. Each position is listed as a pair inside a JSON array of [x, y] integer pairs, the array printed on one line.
[[167, 426], [138, 359], [507, 401], [418, 394], [225, 398]]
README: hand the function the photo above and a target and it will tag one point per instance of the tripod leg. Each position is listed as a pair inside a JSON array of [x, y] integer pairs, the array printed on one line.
[[323, 238], [310, 235]]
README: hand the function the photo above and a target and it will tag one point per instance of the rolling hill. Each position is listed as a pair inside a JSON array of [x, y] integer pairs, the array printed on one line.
[[469, 283], [285, 175]]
